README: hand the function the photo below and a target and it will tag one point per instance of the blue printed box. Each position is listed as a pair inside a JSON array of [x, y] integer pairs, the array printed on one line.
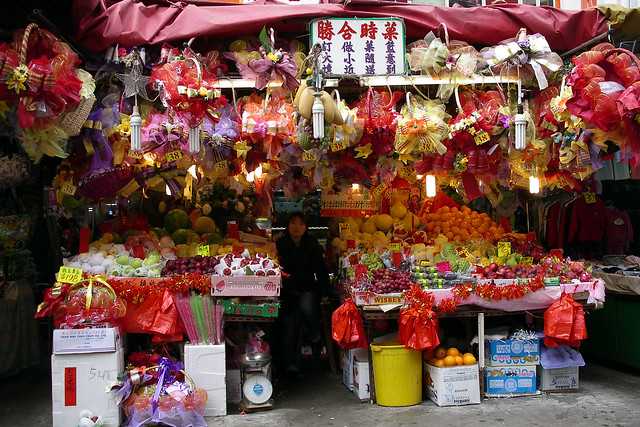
[[510, 381], [511, 352]]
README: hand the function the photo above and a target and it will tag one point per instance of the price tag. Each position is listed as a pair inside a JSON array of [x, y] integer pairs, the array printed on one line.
[[338, 145], [68, 188], [173, 156], [590, 198], [481, 137], [527, 260], [395, 247], [69, 275], [344, 228], [203, 250], [135, 154], [309, 156], [464, 253], [424, 263], [504, 249]]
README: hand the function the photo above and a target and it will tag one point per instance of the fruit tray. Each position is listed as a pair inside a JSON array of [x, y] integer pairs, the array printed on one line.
[[246, 286]]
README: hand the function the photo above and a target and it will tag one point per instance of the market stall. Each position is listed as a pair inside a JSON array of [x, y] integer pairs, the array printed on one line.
[[427, 157]]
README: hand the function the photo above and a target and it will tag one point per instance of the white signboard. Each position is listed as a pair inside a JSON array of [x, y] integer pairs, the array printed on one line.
[[360, 46]]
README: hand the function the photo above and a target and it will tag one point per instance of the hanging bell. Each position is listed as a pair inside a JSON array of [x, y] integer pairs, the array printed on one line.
[[194, 140], [135, 124], [317, 113], [520, 121]]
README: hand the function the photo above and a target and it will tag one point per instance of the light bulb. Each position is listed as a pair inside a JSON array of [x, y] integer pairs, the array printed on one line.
[[419, 177], [193, 171], [258, 172], [251, 177], [431, 186], [167, 189], [534, 185], [355, 187]]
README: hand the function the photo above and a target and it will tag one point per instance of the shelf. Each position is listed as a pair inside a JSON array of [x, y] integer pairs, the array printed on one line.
[[380, 81]]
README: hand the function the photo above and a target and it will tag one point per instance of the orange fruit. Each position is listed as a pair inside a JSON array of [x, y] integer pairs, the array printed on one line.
[[469, 359], [459, 361], [450, 361], [453, 352], [440, 353], [438, 363]]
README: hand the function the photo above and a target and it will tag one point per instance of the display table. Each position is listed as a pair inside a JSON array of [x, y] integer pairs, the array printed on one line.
[[613, 335], [590, 295]]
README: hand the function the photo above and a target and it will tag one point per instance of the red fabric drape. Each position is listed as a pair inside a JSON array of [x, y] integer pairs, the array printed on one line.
[[103, 23]]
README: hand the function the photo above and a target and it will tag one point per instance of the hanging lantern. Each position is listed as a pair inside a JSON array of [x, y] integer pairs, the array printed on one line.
[[431, 186], [194, 140], [520, 121], [135, 124], [534, 185]]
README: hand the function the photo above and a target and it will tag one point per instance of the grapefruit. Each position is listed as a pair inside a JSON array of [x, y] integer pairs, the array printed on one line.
[[469, 359], [453, 352], [450, 361]]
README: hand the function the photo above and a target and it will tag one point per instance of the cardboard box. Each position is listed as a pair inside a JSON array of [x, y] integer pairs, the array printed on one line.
[[90, 340], [454, 386], [205, 364], [347, 369], [562, 379], [511, 352], [265, 309], [80, 381], [510, 381], [361, 386], [245, 286], [234, 386]]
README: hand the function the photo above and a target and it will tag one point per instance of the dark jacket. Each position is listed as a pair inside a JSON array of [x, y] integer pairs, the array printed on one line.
[[304, 264]]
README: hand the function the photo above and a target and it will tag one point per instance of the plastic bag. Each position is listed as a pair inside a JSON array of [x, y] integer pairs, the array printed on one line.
[[347, 328], [418, 323], [377, 111], [157, 315], [564, 323]]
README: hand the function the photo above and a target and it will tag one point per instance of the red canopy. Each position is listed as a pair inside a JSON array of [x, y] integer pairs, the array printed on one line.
[[103, 23]]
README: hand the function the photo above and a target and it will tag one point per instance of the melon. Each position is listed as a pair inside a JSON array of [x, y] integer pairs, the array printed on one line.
[[203, 225], [398, 211], [175, 220], [369, 226], [180, 236], [383, 222]]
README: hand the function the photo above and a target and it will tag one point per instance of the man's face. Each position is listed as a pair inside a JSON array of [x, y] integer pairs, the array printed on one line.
[[297, 228]]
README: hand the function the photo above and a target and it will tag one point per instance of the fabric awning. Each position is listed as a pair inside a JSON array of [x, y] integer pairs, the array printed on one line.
[[103, 23]]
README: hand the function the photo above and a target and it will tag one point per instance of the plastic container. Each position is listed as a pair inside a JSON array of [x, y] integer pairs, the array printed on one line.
[[397, 374]]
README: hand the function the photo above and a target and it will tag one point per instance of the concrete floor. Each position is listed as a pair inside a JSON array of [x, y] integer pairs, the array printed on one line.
[[607, 398]]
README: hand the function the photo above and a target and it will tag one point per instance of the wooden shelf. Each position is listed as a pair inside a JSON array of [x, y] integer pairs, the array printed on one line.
[[380, 81]]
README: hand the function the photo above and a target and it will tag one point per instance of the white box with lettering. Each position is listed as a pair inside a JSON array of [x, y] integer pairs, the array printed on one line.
[[361, 386], [90, 340], [453, 386], [206, 365], [80, 381]]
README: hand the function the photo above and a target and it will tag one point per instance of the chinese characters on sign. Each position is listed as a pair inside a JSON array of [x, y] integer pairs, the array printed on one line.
[[360, 46]]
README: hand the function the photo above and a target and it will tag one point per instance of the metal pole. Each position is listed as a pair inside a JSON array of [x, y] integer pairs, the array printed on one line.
[[481, 350], [586, 44]]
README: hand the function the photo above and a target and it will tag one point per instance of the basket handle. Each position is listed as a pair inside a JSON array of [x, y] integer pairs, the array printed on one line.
[[89, 293], [442, 28], [25, 42]]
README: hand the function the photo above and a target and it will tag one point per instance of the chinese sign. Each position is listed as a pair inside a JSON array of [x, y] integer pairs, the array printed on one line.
[[341, 205], [360, 46]]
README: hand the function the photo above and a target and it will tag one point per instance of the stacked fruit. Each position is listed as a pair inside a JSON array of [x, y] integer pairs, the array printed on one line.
[[461, 225], [197, 264], [447, 358], [387, 281]]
